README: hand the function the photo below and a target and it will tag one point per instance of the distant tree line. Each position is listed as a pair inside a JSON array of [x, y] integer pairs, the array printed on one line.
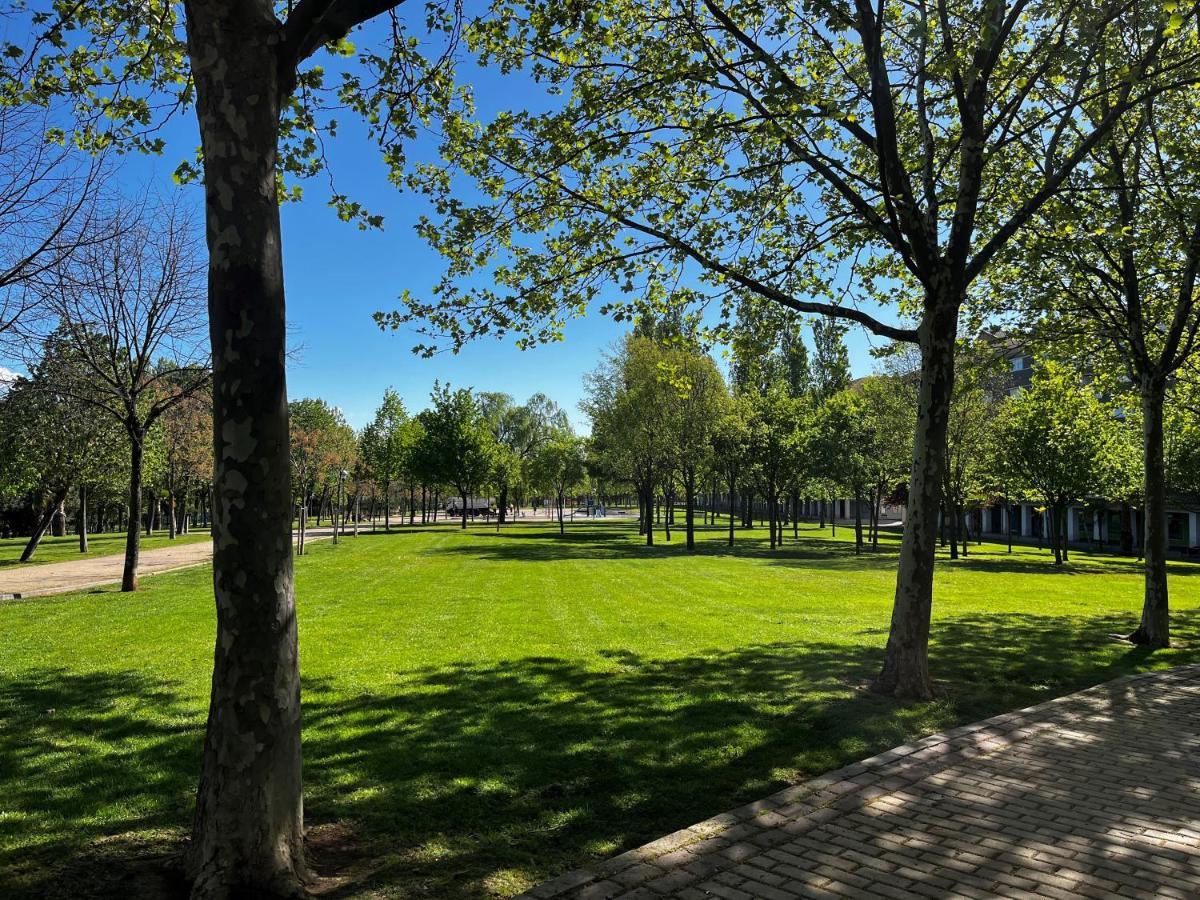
[[789, 433]]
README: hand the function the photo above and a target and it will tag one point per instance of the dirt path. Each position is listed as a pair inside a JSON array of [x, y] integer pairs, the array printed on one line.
[[81, 574]]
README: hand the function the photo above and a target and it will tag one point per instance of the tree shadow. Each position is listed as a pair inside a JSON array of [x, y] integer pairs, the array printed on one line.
[[477, 779], [593, 540], [1098, 800], [607, 541]]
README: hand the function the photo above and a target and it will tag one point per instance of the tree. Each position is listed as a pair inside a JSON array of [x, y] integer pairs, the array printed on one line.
[[263, 115], [980, 386], [841, 449], [186, 433], [459, 442], [50, 441], [891, 406], [131, 303], [790, 152], [559, 466], [773, 428], [1052, 438], [629, 404], [731, 451], [697, 406], [831, 364], [1112, 268], [322, 445], [384, 448], [47, 198]]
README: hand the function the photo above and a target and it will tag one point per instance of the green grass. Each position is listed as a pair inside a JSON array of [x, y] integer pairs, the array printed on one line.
[[66, 548], [483, 711]]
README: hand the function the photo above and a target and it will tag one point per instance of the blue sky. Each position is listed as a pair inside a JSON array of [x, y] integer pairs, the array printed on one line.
[[337, 276]]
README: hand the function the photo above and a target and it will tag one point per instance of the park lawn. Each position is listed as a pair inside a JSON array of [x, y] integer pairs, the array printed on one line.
[[66, 548], [485, 710]]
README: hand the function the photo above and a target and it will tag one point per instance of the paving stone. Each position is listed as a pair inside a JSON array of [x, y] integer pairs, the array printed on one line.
[[1088, 795]]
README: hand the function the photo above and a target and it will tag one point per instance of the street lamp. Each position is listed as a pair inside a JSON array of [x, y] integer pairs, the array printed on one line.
[[342, 475]]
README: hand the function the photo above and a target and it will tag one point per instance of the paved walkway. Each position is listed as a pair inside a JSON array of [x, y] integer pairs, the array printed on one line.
[[81, 574], [1096, 794]]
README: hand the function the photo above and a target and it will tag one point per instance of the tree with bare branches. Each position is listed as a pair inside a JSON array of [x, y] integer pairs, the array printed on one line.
[[47, 198], [131, 302]]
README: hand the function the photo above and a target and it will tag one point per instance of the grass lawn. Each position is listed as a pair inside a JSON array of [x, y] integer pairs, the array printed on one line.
[[66, 548], [483, 711]]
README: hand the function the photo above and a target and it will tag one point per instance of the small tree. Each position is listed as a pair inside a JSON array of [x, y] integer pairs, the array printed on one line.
[[891, 408], [1052, 438], [697, 407], [186, 435], [731, 451], [384, 449], [841, 449], [775, 447], [458, 442], [559, 466]]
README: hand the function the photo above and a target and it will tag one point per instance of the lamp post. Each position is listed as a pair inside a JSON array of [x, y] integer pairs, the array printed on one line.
[[338, 510]]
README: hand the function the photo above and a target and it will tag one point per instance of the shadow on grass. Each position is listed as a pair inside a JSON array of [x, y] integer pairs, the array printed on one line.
[[472, 779], [607, 541]]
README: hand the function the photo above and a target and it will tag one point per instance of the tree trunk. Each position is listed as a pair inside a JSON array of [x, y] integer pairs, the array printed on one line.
[[689, 487], [133, 535], [1154, 630], [732, 498], [649, 517], [43, 524], [502, 512], [905, 670], [248, 836], [83, 522], [387, 506], [858, 535]]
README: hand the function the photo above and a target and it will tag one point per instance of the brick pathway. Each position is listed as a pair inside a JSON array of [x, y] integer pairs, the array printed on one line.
[[1096, 794]]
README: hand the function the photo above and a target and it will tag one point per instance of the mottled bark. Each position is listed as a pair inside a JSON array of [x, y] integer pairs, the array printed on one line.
[[906, 666], [247, 838], [1154, 630]]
